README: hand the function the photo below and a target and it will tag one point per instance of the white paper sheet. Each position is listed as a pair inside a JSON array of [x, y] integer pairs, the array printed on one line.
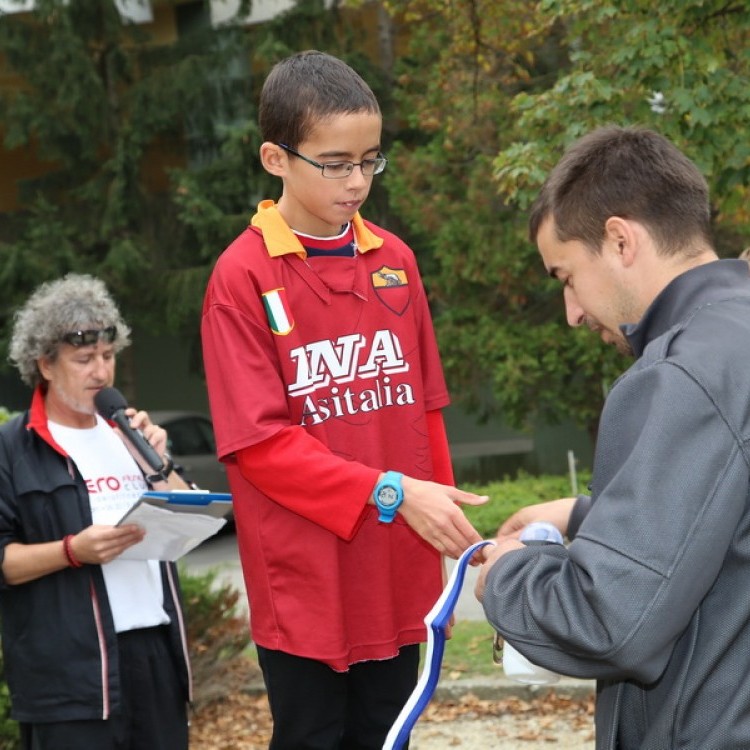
[[170, 533]]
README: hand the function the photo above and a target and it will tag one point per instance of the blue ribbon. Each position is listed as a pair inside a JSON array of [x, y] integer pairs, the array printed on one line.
[[437, 620]]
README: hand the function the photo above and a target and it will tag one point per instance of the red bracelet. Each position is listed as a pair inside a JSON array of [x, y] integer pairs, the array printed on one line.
[[73, 561]]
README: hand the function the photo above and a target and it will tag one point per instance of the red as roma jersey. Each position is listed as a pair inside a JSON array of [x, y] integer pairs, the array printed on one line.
[[344, 348]]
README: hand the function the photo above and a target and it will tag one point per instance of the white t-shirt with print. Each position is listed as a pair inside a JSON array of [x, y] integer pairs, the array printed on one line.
[[114, 483]]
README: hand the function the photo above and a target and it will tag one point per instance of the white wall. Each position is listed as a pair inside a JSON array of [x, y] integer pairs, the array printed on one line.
[[223, 11], [134, 11]]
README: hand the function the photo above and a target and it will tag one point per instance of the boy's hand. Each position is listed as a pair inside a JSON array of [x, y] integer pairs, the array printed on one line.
[[431, 509]]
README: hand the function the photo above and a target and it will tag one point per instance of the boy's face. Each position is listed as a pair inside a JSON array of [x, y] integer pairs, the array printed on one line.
[[316, 205]]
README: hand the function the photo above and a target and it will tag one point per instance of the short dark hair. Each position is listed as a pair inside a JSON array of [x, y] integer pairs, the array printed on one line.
[[304, 89], [630, 172]]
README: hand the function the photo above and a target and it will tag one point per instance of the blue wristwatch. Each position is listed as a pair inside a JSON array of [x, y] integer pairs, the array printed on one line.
[[389, 494]]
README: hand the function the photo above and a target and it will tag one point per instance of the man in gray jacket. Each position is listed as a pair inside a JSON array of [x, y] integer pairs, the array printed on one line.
[[648, 597]]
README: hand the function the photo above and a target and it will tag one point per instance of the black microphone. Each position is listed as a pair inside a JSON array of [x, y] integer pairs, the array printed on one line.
[[111, 404]]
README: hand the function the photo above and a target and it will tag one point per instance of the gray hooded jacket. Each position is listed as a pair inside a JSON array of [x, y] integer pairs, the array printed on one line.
[[650, 597]]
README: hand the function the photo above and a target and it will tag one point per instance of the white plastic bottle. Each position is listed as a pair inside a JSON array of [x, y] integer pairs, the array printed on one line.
[[516, 666]]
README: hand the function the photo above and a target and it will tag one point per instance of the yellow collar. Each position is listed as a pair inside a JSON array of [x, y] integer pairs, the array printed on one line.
[[281, 240]]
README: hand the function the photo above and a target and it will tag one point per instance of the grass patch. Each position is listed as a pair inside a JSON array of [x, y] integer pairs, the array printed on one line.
[[468, 653]]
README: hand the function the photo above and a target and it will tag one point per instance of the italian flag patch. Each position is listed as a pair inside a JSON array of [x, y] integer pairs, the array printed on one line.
[[277, 309]]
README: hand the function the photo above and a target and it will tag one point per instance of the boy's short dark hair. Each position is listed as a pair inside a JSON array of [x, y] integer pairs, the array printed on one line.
[[630, 172], [304, 89]]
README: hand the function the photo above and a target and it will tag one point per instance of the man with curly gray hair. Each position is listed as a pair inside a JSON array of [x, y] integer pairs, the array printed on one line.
[[93, 638], [72, 303]]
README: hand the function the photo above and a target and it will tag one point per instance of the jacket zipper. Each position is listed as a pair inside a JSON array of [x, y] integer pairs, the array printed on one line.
[[102, 652], [183, 630]]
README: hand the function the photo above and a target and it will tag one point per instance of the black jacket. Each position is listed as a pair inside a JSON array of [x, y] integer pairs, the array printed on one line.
[[58, 637]]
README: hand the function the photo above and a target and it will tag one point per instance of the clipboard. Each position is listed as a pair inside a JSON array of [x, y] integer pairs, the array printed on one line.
[[216, 504], [175, 522]]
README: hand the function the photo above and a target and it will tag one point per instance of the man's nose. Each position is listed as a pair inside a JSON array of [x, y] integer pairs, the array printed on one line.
[[101, 368], [573, 311]]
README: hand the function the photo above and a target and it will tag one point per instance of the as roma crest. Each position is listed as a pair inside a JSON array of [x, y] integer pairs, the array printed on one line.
[[277, 309], [392, 287]]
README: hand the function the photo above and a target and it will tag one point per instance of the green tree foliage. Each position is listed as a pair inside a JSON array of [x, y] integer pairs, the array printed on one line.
[[494, 91], [110, 111], [153, 150], [216, 196], [683, 71], [151, 144]]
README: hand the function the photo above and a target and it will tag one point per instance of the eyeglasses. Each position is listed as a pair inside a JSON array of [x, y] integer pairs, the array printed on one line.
[[338, 170], [90, 336]]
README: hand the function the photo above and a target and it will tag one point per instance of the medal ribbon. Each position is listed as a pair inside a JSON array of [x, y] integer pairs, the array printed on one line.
[[437, 620]]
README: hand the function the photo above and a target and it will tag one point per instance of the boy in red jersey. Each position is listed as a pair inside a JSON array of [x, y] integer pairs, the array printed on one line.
[[326, 392]]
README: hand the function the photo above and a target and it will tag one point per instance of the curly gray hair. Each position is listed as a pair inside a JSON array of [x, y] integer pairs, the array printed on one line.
[[74, 302]]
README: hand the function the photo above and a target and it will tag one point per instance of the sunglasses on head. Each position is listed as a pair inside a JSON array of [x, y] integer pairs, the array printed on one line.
[[91, 336]]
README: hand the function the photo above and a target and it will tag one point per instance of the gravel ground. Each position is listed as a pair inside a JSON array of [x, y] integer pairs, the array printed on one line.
[[560, 719], [465, 714], [503, 733], [499, 735], [551, 720]]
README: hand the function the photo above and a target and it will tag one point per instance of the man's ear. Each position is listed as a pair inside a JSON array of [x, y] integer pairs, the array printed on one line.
[[621, 237], [273, 158], [43, 365]]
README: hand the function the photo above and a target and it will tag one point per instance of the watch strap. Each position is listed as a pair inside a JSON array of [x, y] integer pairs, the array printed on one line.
[[161, 476], [386, 513]]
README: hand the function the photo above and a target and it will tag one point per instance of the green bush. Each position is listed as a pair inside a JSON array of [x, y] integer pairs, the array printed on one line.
[[216, 633], [509, 495]]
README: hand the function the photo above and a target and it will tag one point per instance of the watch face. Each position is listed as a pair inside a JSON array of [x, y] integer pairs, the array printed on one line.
[[388, 496]]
